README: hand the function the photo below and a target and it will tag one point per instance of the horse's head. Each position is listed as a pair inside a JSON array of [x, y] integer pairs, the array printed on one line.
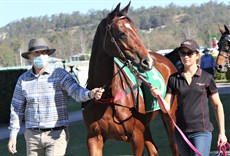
[[223, 59], [121, 40]]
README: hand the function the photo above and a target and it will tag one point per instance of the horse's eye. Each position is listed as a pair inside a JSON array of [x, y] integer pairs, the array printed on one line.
[[122, 35]]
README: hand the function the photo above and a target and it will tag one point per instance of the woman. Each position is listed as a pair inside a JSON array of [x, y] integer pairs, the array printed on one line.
[[193, 88]]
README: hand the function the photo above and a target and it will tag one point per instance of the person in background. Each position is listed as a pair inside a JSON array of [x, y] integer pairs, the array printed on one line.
[[40, 98], [193, 88], [207, 62], [215, 43]]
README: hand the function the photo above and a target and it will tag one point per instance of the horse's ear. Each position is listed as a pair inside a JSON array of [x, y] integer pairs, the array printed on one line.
[[126, 9], [221, 29], [115, 11], [226, 29]]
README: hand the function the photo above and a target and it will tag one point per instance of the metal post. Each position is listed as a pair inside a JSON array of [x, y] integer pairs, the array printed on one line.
[[20, 52]]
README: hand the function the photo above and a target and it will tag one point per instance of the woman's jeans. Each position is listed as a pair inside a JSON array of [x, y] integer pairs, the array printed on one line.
[[200, 140]]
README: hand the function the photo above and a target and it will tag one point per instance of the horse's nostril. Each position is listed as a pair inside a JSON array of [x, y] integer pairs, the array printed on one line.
[[147, 63], [218, 66]]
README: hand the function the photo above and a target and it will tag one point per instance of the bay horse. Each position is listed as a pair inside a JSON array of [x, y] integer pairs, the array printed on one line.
[[223, 58], [124, 119]]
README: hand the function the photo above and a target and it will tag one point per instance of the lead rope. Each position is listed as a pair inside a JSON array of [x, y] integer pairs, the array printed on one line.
[[223, 149]]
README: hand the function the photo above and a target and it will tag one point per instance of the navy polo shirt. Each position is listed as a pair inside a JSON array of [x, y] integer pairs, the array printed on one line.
[[192, 113]]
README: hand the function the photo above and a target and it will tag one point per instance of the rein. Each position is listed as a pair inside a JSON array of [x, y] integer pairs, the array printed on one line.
[[122, 93]]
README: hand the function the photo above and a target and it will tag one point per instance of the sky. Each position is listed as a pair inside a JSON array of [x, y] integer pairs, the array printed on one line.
[[15, 10]]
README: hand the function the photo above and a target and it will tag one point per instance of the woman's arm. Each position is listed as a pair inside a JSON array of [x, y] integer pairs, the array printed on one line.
[[219, 113]]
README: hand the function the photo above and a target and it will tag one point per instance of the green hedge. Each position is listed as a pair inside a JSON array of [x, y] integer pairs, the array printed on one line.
[[8, 80]]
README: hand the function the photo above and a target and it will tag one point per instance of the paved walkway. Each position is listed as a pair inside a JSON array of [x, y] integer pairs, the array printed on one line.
[[223, 88]]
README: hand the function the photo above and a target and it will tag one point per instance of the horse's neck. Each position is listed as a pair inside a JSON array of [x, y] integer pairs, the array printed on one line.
[[100, 71]]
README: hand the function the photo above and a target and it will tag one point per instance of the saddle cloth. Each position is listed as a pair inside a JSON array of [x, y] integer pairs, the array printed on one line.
[[154, 78]]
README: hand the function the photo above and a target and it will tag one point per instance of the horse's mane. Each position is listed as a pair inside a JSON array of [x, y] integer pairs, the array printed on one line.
[[96, 41]]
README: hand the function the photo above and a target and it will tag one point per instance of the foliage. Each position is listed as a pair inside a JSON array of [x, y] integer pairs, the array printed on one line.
[[219, 76], [160, 28], [6, 56], [227, 74]]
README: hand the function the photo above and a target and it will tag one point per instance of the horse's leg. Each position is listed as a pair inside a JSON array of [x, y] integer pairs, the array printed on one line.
[[137, 143], [95, 145], [170, 128], [149, 143]]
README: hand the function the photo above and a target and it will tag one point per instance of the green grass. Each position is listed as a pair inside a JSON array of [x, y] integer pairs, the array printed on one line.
[[73, 105], [222, 81], [77, 141]]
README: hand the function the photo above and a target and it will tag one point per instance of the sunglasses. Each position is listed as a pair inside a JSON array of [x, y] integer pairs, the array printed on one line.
[[188, 53]]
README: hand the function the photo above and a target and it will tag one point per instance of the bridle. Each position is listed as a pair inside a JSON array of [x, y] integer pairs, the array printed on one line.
[[224, 48], [108, 31], [125, 61]]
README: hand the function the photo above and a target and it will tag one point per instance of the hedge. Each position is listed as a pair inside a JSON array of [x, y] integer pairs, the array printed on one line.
[[8, 80]]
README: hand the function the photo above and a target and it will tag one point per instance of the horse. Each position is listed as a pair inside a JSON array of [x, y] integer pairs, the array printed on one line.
[[174, 57], [123, 119], [223, 58]]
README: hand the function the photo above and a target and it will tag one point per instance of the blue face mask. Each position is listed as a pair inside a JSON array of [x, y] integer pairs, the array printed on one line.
[[41, 61]]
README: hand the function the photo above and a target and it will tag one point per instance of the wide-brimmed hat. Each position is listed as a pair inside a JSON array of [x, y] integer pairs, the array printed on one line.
[[190, 44], [37, 45], [205, 50]]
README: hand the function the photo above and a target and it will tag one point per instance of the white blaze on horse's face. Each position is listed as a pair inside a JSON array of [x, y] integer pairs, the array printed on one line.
[[127, 25], [142, 64]]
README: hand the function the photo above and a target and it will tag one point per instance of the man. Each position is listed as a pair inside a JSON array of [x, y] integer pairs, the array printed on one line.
[[207, 62], [40, 98]]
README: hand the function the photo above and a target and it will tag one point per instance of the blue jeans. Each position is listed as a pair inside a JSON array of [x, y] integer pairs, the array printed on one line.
[[200, 140]]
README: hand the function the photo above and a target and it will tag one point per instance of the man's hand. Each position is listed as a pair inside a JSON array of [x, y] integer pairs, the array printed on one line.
[[97, 93], [12, 145]]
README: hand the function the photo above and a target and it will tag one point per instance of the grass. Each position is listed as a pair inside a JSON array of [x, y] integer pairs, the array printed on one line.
[[77, 142], [73, 105], [222, 81]]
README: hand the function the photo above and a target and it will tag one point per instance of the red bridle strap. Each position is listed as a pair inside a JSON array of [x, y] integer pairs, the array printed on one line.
[[118, 96]]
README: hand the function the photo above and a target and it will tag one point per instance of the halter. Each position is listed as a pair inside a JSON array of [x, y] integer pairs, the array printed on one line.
[[225, 47], [108, 30]]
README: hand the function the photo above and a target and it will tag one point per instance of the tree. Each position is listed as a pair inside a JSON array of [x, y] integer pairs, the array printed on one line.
[[6, 57]]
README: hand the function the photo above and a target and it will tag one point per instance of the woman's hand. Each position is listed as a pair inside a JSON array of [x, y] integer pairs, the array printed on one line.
[[155, 91], [222, 140]]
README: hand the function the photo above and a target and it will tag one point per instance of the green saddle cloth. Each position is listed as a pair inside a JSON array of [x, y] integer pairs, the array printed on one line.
[[154, 78]]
